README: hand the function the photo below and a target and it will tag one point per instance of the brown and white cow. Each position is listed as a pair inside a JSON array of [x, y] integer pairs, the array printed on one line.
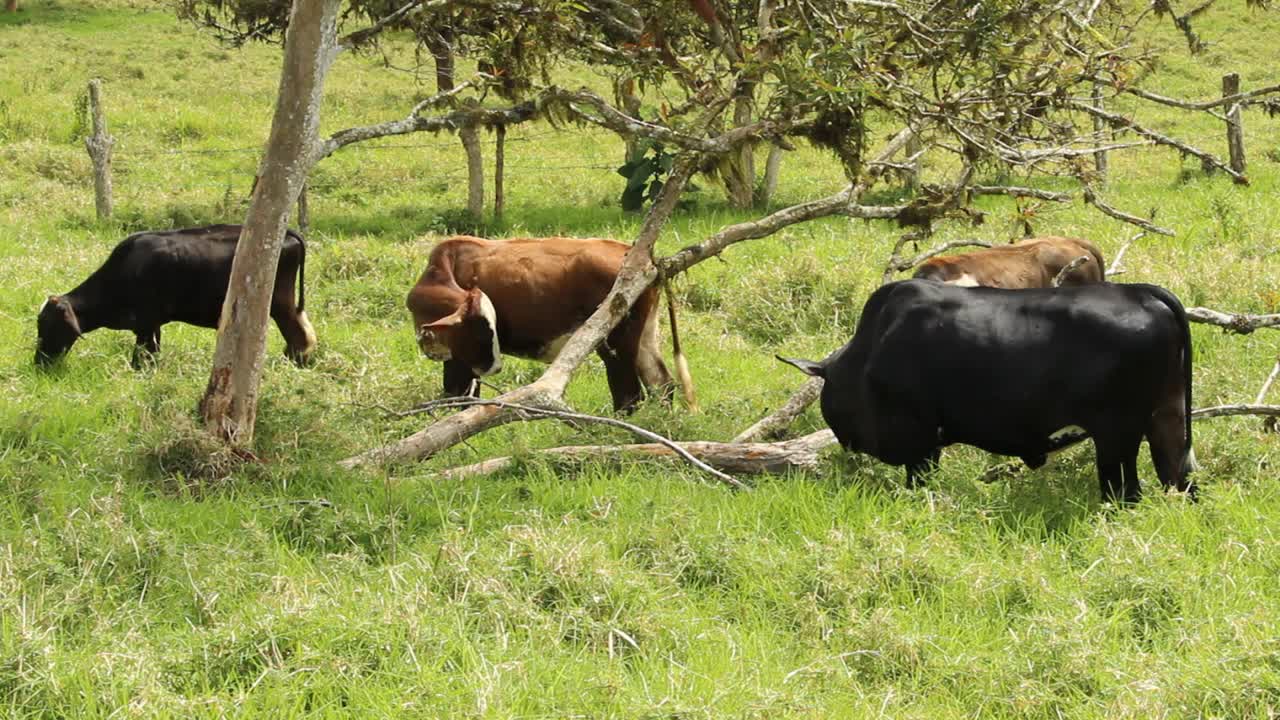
[[480, 298], [1032, 263]]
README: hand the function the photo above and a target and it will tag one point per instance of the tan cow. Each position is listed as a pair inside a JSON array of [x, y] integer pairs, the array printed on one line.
[[1030, 263]]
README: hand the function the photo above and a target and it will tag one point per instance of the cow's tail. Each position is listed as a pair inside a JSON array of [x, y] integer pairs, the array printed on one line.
[[302, 270], [1175, 306], [682, 365], [1097, 257]]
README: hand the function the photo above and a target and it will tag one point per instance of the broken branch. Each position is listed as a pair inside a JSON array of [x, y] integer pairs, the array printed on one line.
[[775, 423], [1239, 323], [1092, 198], [1066, 269], [734, 457]]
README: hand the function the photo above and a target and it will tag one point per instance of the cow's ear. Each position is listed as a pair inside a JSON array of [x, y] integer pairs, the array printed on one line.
[[452, 319], [808, 367]]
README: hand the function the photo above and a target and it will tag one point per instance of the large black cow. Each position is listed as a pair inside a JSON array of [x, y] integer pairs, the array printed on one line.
[[153, 278], [1016, 372]]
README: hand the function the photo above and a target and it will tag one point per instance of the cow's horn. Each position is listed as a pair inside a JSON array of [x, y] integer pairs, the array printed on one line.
[[808, 367]]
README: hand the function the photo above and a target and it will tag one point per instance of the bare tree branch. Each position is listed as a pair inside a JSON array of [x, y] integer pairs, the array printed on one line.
[[776, 423], [1239, 409], [1116, 268], [1238, 323], [528, 412], [898, 265], [1262, 393], [354, 40], [1066, 269], [742, 458], [1121, 121], [1021, 192], [1092, 198], [1205, 105], [486, 117]]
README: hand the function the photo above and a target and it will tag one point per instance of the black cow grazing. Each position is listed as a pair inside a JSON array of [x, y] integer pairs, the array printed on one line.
[[152, 278], [1016, 372]]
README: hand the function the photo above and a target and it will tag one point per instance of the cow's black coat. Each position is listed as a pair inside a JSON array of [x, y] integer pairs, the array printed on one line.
[[153, 278], [1004, 370]]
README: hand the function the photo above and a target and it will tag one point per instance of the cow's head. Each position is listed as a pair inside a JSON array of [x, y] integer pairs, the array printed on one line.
[[468, 335], [56, 329]]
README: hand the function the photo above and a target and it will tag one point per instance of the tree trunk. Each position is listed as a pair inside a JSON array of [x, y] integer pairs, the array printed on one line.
[[11, 5], [772, 167], [738, 168], [475, 171], [230, 402], [499, 168], [1235, 123]]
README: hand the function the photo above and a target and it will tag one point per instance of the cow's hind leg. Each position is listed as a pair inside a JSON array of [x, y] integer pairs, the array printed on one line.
[[1167, 436], [916, 471], [653, 372], [299, 336], [459, 381], [1117, 461], [146, 347]]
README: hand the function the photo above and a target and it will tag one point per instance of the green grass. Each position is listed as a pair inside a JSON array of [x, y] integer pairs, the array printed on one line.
[[141, 576]]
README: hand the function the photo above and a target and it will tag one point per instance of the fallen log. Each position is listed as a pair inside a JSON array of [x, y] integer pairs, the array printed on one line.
[[734, 457]]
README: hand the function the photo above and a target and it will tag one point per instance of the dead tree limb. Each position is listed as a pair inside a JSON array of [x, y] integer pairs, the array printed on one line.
[[898, 264], [1092, 198], [1123, 122], [1021, 192], [1207, 104], [734, 457], [776, 423], [1066, 269], [530, 412], [1239, 323], [1262, 393], [1116, 268], [451, 122], [1239, 409]]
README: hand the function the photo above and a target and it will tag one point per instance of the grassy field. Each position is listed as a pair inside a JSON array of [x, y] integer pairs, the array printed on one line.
[[136, 580]]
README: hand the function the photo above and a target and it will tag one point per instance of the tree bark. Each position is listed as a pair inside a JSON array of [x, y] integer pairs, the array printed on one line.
[[230, 402], [475, 171], [99, 146], [772, 168], [11, 5]]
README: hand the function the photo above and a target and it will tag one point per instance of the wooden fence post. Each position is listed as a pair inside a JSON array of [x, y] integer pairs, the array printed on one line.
[[1235, 123], [1099, 130], [99, 147]]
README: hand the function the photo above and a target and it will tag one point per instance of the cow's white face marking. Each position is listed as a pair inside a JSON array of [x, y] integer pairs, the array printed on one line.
[[43, 305], [490, 314], [965, 280], [551, 350], [432, 346]]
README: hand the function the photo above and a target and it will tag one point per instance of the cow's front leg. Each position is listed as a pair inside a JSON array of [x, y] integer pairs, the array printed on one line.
[[146, 347], [918, 469], [459, 381]]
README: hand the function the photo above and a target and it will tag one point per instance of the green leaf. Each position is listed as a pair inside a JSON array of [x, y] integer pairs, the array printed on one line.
[[641, 174]]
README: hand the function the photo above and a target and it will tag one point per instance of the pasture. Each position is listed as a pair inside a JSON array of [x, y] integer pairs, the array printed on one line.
[[141, 578]]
